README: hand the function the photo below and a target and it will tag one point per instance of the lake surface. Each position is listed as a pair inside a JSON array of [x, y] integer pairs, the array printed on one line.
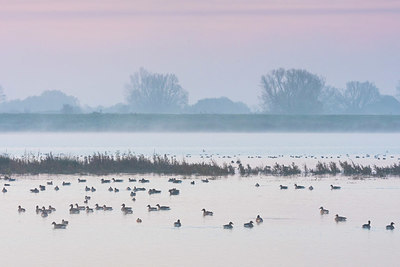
[[293, 231]]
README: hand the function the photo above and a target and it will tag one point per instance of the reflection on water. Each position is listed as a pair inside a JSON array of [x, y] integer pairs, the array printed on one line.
[[293, 231]]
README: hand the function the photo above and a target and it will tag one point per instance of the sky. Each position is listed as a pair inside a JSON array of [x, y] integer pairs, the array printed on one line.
[[88, 48]]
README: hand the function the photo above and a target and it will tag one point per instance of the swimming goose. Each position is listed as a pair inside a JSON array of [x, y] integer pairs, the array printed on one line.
[[99, 207], [138, 220], [133, 199], [117, 180], [93, 189], [177, 181], [87, 188], [81, 180], [132, 194], [6, 184], [228, 226], [104, 181], [38, 209], [205, 180], [163, 207], [154, 191], [35, 190], [132, 180], [107, 208], [79, 207], [259, 219], [56, 188], [116, 190], [21, 209], [64, 222], [390, 226], [143, 181], [138, 189], [173, 192], [128, 188], [257, 185], [311, 187], [249, 224], [340, 218], [50, 183], [46, 210], [59, 226], [367, 225], [335, 187], [283, 187], [4, 190], [298, 186], [88, 209], [207, 213], [73, 210], [125, 208], [88, 197], [150, 208], [86, 201], [323, 211], [66, 183], [44, 214], [177, 223], [52, 208], [110, 189], [192, 182], [42, 187]]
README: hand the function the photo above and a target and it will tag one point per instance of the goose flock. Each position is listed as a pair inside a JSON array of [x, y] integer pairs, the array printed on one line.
[[77, 209]]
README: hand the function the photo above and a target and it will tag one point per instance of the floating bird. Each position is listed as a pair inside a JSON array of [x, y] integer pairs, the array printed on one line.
[[21, 209], [104, 181], [93, 189], [177, 223], [228, 226], [107, 208], [64, 222], [390, 226], [205, 180], [283, 187], [311, 187], [88, 209], [154, 191], [79, 207], [207, 213], [259, 219], [56, 188], [35, 190], [298, 186], [192, 182], [81, 180], [257, 185], [132, 180], [150, 208], [117, 180], [4, 190], [335, 187], [249, 224], [66, 183], [143, 181], [323, 211], [50, 183], [99, 207], [138, 220], [173, 192], [125, 209], [367, 225], [73, 210], [340, 218]]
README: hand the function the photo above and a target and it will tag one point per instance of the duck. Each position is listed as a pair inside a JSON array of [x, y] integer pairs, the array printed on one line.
[[81, 180], [390, 226], [259, 219], [132, 180], [66, 183], [340, 218], [173, 192], [73, 210], [335, 187], [116, 190], [177, 223], [323, 211], [88, 209], [163, 207], [104, 181], [249, 224], [64, 222], [117, 180], [298, 186], [56, 188], [228, 226], [107, 208], [283, 187], [207, 213], [99, 207], [367, 225], [138, 220], [150, 208], [59, 225], [310, 188], [4, 190], [35, 190], [21, 209]]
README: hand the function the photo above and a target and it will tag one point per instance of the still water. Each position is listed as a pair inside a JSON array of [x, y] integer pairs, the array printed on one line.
[[293, 231]]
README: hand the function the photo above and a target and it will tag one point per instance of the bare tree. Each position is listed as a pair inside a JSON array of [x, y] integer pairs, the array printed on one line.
[[291, 91], [360, 94], [155, 93], [398, 90], [333, 100]]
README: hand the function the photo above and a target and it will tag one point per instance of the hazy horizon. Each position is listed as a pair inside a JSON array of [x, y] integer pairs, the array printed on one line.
[[216, 48]]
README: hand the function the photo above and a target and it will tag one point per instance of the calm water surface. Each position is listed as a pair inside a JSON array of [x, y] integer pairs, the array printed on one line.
[[293, 232]]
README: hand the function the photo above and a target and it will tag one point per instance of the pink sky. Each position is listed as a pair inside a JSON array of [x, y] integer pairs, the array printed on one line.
[[89, 48]]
